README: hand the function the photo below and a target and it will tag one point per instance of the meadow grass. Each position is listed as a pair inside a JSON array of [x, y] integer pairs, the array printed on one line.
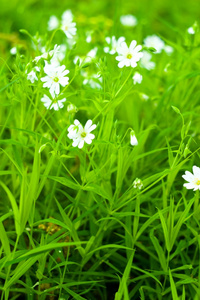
[[72, 223]]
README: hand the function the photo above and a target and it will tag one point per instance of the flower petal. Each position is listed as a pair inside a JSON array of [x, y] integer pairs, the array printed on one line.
[[196, 171]]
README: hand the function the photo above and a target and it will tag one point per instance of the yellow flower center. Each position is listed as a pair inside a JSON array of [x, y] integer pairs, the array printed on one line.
[[56, 79], [66, 27], [83, 134], [129, 56], [197, 182]]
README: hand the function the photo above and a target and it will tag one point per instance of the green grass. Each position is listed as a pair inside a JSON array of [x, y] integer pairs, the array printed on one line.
[[72, 226]]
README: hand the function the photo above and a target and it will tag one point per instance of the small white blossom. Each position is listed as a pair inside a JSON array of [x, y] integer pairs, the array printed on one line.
[[59, 55], [48, 55], [80, 134], [89, 36], [54, 103], [67, 24], [138, 184], [53, 23], [193, 180], [137, 78], [71, 108], [67, 15], [113, 44], [32, 75], [191, 30], [168, 49], [146, 62], [93, 80], [87, 58], [133, 139], [13, 50], [155, 42], [129, 56], [144, 96], [56, 76], [128, 20]]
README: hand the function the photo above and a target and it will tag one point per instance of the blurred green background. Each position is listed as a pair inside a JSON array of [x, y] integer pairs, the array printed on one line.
[[33, 14]]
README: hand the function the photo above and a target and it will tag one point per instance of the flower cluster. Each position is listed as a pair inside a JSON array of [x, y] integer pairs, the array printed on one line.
[[138, 184]]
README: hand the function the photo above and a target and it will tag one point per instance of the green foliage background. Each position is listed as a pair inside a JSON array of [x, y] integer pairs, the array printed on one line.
[[110, 241]]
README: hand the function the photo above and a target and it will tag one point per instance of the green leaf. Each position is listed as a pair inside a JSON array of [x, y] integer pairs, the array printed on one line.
[[173, 287]]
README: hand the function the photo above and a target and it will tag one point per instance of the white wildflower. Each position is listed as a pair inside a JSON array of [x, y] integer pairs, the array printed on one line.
[[48, 55], [87, 58], [13, 50], [155, 42], [32, 75], [133, 139], [67, 15], [80, 134], [59, 55], [56, 76], [128, 20], [144, 96], [71, 108], [193, 180], [137, 78], [93, 80], [146, 62], [67, 24], [168, 49], [129, 56], [89, 36], [138, 184], [53, 103], [191, 30], [53, 23], [113, 44]]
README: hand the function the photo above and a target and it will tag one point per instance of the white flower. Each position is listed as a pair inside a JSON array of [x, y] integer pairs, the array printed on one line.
[[88, 58], [67, 24], [55, 77], [133, 139], [146, 62], [13, 50], [89, 36], [71, 108], [144, 96], [138, 184], [193, 179], [113, 43], [32, 75], [55, 104], [67, 15], [137, 78], [53, 23], [93, 80], [47, 55], [58, 56], [129, 56], [168, 49], [80, 134], [128, 20], [155, 42], [191, 30]]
